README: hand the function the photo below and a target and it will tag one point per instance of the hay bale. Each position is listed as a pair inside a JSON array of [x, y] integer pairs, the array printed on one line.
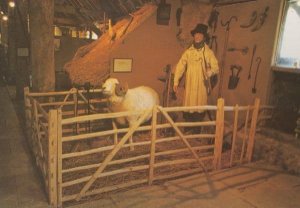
[[278, 150]]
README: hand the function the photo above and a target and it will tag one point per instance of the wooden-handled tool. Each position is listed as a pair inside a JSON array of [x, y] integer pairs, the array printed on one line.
[[253, 54], [258, 60]]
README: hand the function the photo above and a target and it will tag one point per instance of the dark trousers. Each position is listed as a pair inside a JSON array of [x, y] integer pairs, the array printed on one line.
[[193, 117]]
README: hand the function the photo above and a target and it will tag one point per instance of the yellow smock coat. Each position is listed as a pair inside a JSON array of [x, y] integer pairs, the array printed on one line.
[[192, 61]]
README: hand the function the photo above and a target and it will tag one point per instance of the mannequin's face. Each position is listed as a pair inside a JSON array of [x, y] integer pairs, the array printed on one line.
[[198, 37]]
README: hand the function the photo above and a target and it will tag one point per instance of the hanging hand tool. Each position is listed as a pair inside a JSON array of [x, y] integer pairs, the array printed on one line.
[[167, 78], [227, 28], [220, 4], [234, 77], [252, 20], [244, 50], [179, 33], [214, 44], [258, 60], [127, 26], [178, 16], [253, 54], [213, 19], [87, 87], [261, 20]]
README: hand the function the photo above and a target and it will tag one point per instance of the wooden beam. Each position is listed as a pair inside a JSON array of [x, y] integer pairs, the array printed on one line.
[[66, 9], [66, 22], [94, 13]]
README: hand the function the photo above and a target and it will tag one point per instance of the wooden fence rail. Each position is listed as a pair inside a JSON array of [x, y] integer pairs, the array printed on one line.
[[74, 174]]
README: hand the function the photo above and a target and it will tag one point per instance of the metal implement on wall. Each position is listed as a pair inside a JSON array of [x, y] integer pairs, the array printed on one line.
[[213, 44], [220, 4], [251, 22], [213, 19], [261, 20], [178, 16], [258, 60], [251, 63], [167, 79], [223, 58], [234, 77], [244, 50]]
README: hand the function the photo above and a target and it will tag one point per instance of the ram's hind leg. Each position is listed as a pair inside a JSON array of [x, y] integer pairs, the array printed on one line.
[[131, 121], [131, 143]]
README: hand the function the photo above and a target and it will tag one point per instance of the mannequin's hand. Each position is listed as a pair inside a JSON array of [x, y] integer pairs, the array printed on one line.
[[175, 88], [209, 73]]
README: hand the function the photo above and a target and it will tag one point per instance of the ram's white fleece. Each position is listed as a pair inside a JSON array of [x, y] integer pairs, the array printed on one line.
[[136, 99]]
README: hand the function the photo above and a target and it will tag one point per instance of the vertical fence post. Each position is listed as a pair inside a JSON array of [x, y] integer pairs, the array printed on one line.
[[35, 132], [27, 108], [59, 158], [235, 124], [52, 157], [115, 128], [75, 98], [252, 130], [152, 150], [245, 135], [219, 134]]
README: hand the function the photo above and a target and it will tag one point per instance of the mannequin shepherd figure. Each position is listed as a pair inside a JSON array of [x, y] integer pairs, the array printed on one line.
[[199, 63]]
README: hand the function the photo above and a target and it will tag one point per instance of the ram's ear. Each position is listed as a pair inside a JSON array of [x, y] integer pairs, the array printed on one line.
[[121, 89]]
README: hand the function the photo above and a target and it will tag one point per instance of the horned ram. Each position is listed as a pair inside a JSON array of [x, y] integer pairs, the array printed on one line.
[[123, 99]]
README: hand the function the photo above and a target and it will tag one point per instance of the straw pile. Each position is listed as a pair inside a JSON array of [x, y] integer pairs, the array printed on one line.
[[280, 150], [91, 63]]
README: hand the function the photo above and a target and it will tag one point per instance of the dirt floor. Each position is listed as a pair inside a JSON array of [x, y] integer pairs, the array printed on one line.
[[255, 185], [251, 186], [20, 184]]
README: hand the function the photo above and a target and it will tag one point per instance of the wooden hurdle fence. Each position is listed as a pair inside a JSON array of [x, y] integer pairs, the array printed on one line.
[[41, 125], [58, 121]]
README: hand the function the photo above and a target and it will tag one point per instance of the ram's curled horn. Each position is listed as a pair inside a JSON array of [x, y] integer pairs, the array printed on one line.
[[121, 89]]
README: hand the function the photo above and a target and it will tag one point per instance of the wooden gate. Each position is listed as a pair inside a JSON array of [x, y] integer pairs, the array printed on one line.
[[162, 150]]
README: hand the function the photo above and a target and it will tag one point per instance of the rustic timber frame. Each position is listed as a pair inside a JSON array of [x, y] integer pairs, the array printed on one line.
[[53, 125]]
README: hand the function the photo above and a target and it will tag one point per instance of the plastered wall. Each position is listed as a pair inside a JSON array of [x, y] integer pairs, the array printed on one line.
[[239, 37], [152, 47]]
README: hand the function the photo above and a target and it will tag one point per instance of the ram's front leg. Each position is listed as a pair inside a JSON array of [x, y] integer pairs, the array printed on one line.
[[131, 122], [131, 143]]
